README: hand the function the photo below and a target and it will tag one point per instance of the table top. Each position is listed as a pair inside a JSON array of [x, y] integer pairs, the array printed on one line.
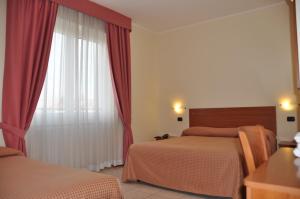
[[278, 173], [291, 143]]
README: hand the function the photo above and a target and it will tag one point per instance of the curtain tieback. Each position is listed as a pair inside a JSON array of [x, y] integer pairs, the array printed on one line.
[[13, 130]]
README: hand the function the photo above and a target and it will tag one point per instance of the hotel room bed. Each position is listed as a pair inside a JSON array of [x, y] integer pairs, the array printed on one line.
[[193, 164], [22, 178], [209, 163]]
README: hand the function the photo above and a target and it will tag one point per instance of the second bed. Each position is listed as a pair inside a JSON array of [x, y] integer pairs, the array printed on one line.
[[204, 160]]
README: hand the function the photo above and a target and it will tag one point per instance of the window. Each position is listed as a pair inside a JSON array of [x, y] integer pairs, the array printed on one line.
[[76, 121]]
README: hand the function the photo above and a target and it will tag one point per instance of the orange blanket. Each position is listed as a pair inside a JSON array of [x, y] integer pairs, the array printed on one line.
[[202, 165], [21, 178]]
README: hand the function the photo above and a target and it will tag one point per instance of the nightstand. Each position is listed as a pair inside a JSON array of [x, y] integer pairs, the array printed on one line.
[[289, 144]]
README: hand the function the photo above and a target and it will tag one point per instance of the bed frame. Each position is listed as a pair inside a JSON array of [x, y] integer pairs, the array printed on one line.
[[234, 117]]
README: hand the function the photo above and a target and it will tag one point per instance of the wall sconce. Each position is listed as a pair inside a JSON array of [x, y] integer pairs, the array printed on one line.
[[179, 108], [287, 105]]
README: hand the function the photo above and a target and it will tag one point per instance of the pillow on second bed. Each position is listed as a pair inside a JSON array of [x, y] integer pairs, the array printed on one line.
[[211, 132]]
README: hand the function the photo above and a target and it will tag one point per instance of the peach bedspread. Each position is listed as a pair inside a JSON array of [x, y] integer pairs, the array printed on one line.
[[21, 178], [197, 164]]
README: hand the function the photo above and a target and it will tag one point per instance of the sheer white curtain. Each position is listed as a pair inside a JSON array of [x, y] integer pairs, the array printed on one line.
[[76, 122]]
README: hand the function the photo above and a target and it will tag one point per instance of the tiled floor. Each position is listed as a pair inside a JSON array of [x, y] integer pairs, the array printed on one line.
[[141, 190]]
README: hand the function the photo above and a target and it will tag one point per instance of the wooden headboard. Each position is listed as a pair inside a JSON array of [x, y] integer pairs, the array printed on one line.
[[234, 117]]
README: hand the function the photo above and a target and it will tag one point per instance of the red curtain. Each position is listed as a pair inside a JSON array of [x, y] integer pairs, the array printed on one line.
[[29, 31], [119, 52]]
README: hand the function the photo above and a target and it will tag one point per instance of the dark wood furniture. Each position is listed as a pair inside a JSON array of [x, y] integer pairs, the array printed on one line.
[[234, 117], [290, 144], [278, 178]]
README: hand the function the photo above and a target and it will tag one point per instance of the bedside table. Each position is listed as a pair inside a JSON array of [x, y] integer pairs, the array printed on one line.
[[289, 144]]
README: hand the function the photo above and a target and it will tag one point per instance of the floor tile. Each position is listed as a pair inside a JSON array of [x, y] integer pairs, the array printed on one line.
[[171, 194], [156, 196], [140, 190], [126, 187], [148, 188], [136, 194]]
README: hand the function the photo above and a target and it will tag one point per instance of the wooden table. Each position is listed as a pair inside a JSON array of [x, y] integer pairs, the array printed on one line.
[[275, 179], [290, 144]]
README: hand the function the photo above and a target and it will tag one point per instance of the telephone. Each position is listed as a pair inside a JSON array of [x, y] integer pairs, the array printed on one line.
[[163, 137]]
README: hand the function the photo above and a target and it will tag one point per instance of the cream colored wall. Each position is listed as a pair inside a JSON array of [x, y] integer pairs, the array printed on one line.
[[236, 61], [144, 84], [2, 47]]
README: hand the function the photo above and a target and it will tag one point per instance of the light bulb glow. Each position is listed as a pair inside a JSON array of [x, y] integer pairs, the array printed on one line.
[[178, 108], [286, 105]]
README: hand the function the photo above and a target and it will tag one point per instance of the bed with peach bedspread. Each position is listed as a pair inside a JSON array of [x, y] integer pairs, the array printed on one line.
[[208, 162], [22, 178]]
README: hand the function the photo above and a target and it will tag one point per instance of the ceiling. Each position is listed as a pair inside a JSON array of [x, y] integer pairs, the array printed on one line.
[[163, 15]]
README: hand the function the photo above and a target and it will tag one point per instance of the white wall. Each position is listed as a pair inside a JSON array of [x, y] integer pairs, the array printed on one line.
[[144, 84], [236, 61], [2, 47]]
